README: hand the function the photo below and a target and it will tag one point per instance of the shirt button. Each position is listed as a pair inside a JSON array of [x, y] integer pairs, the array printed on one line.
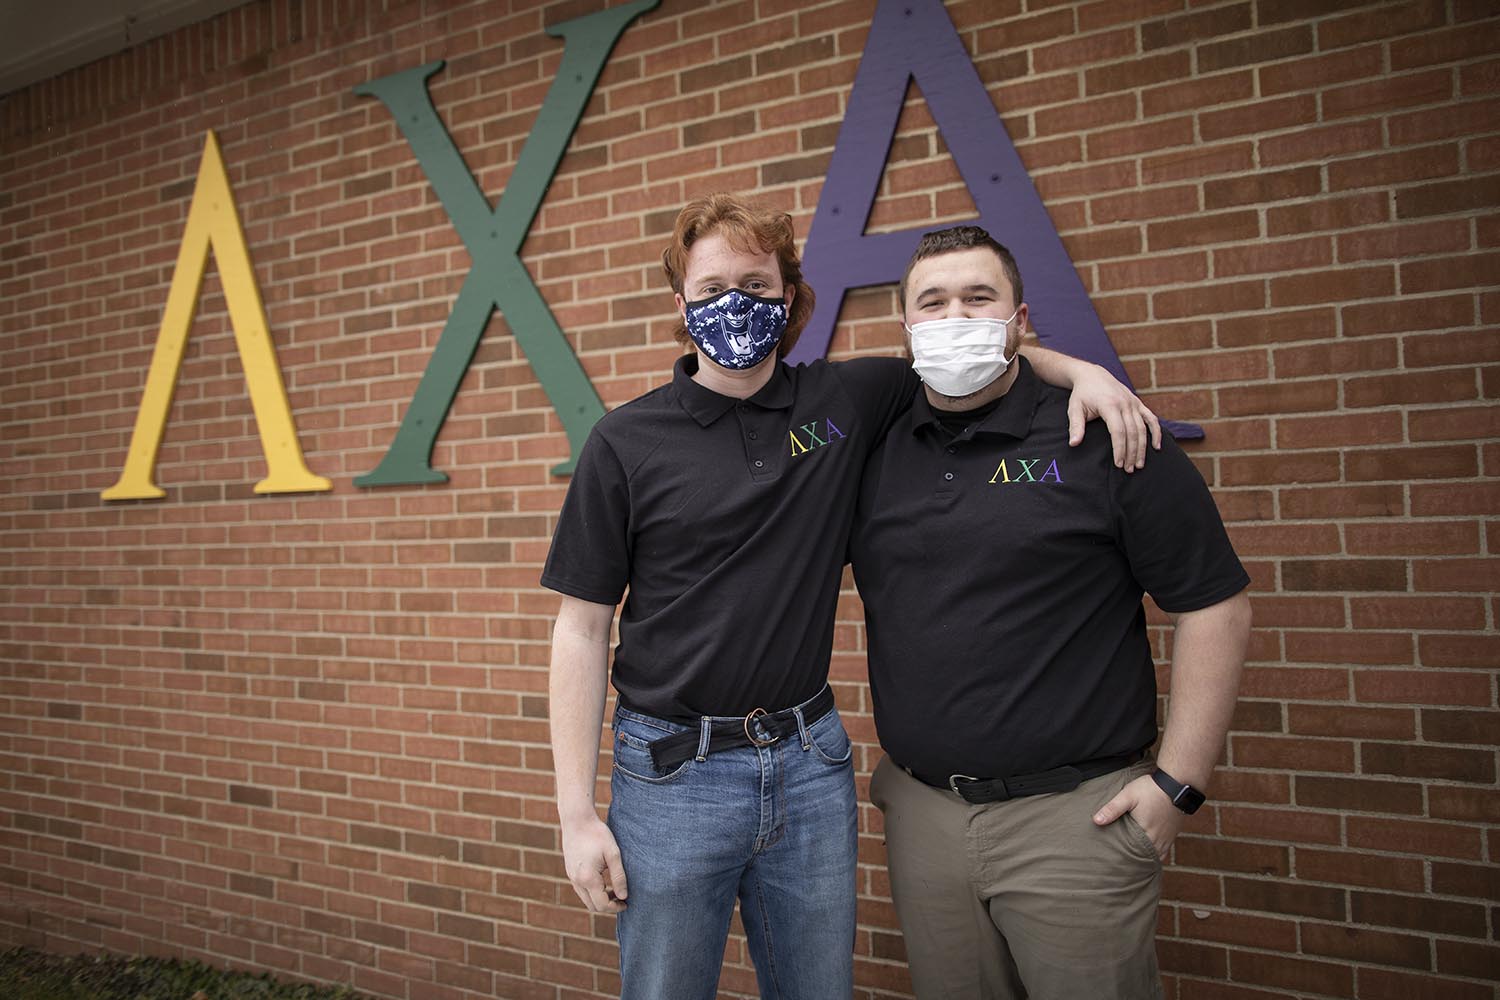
[[947, 475], [759, 463], [752, 435], [950, 451]]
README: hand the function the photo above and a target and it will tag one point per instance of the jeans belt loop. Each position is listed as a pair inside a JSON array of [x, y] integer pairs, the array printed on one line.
[[705, 730], [802, 728]]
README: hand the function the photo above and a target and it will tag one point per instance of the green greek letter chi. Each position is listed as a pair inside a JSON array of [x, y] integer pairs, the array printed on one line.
[[497, 279]]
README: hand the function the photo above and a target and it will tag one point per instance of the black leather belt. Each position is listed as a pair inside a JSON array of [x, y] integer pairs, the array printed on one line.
[[978, 791], [758, 729]]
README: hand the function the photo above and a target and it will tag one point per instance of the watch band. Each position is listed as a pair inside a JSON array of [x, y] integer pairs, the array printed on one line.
[[1184, 797]]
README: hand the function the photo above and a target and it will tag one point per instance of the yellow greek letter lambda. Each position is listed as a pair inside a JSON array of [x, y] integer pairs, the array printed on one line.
[[213, 221]]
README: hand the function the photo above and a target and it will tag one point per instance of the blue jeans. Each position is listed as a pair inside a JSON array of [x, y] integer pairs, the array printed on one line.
[[773, 827]]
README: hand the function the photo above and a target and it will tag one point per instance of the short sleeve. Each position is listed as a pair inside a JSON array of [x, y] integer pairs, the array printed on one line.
[[590, 554], [881, 388], [1172, 534]]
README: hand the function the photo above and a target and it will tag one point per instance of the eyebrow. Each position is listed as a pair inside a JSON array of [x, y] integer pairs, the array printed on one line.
[[940, 290], [715, 279]]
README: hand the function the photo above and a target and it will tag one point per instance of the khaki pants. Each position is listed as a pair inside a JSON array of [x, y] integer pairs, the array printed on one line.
[[1024, 898]]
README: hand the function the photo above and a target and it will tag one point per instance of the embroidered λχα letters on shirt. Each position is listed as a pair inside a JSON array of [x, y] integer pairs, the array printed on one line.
[[1023, 470], [817, 434]]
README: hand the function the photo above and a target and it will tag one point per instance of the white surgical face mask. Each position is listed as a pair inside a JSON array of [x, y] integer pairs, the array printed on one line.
[[959, 356]]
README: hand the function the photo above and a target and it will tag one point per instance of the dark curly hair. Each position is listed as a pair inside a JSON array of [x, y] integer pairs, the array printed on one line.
[[941, 241]]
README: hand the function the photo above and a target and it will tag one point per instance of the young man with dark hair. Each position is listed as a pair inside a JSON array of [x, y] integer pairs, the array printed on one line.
[[721, 502], [1015, 696]]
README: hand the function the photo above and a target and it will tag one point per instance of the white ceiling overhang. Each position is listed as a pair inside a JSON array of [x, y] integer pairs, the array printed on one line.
[[42, 38]]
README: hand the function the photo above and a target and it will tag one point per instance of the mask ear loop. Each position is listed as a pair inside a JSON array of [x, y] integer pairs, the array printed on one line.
[[1005, 326]]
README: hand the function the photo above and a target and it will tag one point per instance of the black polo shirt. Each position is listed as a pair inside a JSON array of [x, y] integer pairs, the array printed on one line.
[[728, 520], [1002, 574]]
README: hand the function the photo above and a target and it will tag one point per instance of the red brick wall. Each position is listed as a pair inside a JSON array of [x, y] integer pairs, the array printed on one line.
[[308, 733]]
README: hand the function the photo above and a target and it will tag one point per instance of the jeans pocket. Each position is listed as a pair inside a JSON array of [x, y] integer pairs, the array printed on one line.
[[829, 740], [633, 759]]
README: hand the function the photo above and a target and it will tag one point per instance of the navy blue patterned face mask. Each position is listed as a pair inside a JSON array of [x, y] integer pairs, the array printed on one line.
[[737, 330]]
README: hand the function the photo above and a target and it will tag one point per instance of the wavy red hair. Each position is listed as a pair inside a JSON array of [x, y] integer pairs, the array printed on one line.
[[749, 228]]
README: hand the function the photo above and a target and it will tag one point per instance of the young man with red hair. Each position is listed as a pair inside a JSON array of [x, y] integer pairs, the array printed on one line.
[[722, 502]]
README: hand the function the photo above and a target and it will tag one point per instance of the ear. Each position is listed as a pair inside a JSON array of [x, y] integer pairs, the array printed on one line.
[[791, 293], [1019, 328], [681, 306]]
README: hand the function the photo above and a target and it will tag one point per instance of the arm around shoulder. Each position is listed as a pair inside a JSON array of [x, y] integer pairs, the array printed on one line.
[[1097, 393]]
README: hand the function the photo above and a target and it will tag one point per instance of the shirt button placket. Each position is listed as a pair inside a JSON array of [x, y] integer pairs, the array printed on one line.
[[752, 440]]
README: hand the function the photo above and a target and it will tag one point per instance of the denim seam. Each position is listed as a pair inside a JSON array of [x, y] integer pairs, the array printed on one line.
[[765, 929]]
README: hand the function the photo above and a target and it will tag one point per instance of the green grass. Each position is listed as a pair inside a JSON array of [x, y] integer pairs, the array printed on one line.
[[33, 975]]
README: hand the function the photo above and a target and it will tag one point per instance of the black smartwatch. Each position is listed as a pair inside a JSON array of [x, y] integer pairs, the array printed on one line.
[[1184, 797]]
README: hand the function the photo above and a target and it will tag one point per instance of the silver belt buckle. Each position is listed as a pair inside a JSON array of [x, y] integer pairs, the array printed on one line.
[[756, 740], [953, 782]]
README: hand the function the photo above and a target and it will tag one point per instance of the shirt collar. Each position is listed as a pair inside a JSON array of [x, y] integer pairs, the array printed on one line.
[[705, 406], [1011, 418]]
